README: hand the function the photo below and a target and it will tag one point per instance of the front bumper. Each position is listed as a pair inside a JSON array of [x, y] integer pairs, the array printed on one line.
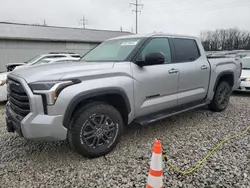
[[36, 127], [244, 86]]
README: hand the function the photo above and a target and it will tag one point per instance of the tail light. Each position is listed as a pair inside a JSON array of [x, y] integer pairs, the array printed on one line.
[[240, 69]]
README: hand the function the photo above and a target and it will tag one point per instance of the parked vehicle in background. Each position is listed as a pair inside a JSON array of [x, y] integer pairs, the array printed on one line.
[[240, 55], [3, 76], [245, 76], [49, 60], [52, 55], [138, 79], [3, 90]]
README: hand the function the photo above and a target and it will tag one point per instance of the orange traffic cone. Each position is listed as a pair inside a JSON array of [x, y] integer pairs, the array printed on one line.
[[155, 178]]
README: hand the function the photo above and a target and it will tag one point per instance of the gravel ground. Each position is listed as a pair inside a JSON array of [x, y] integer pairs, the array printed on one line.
[[186, 137]]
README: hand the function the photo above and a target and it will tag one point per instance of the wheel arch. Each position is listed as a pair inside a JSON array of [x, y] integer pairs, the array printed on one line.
[[98, 94], [227, 76]]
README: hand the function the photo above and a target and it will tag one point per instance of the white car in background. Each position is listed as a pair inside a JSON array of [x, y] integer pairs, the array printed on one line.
[[3, 88], [3, 76], [52, 55], [49, 60], [245, 75]]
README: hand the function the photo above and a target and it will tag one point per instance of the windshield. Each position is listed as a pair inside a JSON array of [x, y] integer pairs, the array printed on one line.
[[112, 50], [33, 59], [246, 63], [43, 61]]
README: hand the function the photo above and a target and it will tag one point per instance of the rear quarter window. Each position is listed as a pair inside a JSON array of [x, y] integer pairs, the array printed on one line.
[[186, 50]]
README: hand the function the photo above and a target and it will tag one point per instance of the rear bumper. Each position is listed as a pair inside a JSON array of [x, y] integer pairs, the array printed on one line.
[[36, 127], [244, 86]]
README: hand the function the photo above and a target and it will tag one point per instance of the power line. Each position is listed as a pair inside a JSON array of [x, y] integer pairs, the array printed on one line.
[[136, 4], [214, 7], [166, 2], [219, 7], [193, 3]]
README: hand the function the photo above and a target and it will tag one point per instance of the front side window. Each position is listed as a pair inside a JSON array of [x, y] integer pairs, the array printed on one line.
[[112, 50], [186, 50], [157, 45]]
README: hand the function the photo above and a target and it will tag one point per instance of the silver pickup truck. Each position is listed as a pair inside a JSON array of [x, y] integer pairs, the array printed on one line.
[[138, 79]]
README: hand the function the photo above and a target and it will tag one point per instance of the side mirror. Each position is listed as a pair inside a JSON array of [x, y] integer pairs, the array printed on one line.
[[140, 63], [154, 58]]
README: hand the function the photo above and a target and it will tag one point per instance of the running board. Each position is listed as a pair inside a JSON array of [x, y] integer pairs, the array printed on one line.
[[162, 115]]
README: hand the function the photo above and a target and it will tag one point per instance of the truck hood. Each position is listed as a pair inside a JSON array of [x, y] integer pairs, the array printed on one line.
[[245, 73], [55, 71]]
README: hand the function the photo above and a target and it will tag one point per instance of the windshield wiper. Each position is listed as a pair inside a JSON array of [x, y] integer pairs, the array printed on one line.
[[246, 68]]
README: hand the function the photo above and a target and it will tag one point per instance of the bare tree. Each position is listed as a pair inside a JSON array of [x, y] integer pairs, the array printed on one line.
[[225, 39]]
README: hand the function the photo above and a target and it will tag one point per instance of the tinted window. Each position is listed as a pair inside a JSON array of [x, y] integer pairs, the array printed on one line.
[[57, 56], [76, 56], [186, 50], [157, 45]]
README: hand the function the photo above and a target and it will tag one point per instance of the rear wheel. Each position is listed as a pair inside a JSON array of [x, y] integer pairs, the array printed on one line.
[[95, 129], [221, 97]]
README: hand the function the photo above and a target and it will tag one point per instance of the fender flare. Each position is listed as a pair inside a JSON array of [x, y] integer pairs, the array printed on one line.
[[221, 75], [89, 94]]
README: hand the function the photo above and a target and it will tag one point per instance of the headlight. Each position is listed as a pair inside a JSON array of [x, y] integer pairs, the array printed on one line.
[[248, 79], [51, 89], [2, 82]]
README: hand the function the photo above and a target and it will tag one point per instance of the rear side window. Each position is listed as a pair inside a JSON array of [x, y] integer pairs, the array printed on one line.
[[186, 50]]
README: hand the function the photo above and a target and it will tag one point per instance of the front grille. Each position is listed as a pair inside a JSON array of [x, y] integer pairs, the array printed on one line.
[[18, 99]]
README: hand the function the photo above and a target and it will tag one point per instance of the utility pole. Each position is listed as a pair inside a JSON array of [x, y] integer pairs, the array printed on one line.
[[136, 4], [83, 22]]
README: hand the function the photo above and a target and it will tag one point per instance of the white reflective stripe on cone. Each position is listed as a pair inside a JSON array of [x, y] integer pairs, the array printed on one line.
[[155, 182], [156, 162]]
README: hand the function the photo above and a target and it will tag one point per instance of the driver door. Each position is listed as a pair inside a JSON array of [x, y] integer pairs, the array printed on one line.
[[155, 86]]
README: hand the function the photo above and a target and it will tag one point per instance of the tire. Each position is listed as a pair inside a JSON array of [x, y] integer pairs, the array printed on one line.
[[221, 97], [95, 120]]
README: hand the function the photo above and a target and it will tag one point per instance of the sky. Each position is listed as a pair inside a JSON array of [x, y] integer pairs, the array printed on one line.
[[188, 17]]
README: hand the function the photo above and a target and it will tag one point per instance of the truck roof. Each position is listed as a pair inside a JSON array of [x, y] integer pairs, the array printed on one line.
[[155, 35]]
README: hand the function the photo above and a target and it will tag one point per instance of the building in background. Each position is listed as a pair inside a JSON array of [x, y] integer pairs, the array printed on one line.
[[20, 42]]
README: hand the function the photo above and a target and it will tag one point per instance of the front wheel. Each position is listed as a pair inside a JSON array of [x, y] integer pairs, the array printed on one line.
[[221, 97], [95, 130]]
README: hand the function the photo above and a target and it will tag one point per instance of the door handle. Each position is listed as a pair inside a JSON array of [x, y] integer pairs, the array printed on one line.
[[204, 67], [173, 71]]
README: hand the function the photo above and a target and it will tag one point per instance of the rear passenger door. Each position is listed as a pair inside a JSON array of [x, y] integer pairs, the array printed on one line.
[[194, 71]]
